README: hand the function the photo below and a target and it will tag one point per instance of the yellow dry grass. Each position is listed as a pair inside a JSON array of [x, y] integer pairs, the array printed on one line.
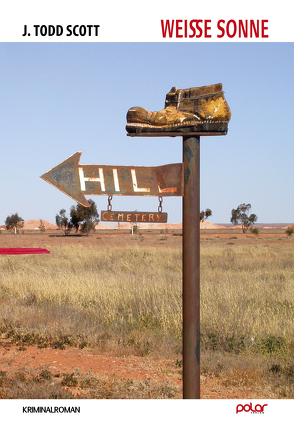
[[129, 299], [247, 291]]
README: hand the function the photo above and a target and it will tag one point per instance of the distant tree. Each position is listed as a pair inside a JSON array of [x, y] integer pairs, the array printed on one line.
[[14, 222], [81, 218], [254, 231], [84, 218], [63, 222], [42, 227], [240, 216], [204, 214], [289, 231]]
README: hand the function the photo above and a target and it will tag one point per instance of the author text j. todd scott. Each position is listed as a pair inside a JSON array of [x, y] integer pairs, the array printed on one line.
[[59, 30]]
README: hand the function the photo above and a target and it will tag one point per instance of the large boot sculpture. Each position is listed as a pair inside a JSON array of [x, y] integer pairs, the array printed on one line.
[[198, 109]]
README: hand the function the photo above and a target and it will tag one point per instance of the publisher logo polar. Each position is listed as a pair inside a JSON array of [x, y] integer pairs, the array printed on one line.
[[249, 408]]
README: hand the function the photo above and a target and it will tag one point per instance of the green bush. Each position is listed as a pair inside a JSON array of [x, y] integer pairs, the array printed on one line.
[[254, 231]]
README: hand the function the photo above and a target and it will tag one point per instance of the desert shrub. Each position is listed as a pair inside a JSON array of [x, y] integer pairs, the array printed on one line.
[[254, 231]]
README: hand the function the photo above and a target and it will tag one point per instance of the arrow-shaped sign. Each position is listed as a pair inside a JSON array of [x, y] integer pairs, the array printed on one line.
[[77, 180]]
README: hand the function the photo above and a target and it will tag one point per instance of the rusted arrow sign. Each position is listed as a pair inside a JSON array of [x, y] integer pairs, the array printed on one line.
[[77, 180]]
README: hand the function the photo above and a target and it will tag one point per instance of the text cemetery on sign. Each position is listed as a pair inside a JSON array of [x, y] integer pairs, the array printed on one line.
[[148, 217]]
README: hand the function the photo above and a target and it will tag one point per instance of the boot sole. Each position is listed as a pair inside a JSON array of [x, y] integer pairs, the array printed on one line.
[[204, 127]]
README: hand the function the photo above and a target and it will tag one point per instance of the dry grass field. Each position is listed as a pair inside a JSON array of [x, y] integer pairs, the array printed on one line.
[[100, 316]]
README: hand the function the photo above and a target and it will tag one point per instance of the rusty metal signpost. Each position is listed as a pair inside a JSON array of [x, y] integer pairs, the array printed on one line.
[[189, 113]]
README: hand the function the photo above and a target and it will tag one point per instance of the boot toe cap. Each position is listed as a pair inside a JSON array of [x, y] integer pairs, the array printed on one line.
[[138, 115]]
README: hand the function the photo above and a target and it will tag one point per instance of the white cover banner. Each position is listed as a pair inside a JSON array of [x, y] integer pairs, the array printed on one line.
[[153, 21]]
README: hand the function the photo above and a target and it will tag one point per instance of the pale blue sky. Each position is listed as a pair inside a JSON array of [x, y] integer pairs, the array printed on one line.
[[59, 98]]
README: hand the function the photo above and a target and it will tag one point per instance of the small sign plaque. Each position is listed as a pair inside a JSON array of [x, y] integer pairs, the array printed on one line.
[[147, 217]]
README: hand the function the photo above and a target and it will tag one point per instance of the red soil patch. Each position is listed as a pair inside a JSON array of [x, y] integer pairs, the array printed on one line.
[[60, 362]]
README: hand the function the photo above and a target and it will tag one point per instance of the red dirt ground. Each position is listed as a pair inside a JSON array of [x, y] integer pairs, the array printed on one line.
[[66, 361]]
